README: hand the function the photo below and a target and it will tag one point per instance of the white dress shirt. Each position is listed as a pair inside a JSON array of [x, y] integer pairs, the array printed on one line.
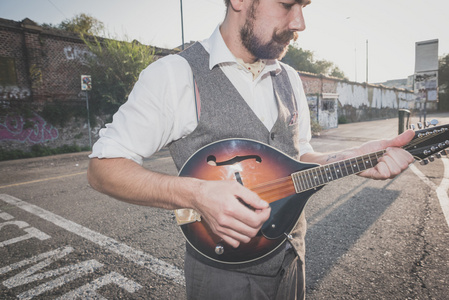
[[161, 107]]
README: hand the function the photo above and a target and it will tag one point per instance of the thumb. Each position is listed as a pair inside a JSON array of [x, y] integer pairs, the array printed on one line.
[[401, 140]]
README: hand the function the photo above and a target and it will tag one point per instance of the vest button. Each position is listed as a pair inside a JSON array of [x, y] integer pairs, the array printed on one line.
[[272, 135]]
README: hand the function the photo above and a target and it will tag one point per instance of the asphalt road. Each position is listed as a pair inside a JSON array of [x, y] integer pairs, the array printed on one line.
[[366, 239]]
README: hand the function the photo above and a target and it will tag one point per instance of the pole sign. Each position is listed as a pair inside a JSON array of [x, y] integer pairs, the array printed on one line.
[[426, 71], [86, 82]]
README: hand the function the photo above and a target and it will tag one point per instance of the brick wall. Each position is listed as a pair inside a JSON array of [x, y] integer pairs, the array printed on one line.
[[49, 64]]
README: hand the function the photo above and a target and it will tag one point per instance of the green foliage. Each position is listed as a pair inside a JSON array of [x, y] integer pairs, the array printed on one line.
[[83, 24], [58, 114], [38, 151], [303, 60], [315, 126], [115, 68], [443, 83], [342, 119]]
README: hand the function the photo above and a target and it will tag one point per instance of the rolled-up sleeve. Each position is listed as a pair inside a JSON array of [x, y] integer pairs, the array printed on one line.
[[150, 119]]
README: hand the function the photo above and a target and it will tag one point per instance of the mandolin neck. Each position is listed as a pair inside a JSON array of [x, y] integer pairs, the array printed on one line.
[[320, 175]]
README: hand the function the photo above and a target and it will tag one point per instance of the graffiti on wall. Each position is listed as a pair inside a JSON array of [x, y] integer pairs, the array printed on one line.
[[13, 92], [79, 54], [33, 130]]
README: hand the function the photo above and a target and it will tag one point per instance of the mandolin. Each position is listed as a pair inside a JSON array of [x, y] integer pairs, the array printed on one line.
[[285, 183]]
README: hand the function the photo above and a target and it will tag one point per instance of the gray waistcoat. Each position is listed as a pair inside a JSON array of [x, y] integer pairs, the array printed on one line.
[[225, 114]]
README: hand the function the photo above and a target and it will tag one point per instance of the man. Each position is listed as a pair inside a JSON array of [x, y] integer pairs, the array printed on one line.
[[228, 86]]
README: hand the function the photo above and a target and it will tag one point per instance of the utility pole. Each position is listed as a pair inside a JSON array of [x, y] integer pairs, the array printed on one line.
[[182, 27], [366, 61]]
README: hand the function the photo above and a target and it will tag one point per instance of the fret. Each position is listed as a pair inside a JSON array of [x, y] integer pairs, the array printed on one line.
[[316, 181], [318, 176], [304, 180], [368, 162], [343, 169], [333, 171], [299, 180], [294, 177], [310, 182], [327, 173], [355, 165], [323, 177], [348, 168], [371, 161], [338, 173], [361, 163]]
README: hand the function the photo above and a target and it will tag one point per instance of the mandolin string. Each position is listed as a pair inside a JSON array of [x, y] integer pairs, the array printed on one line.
[[308, 178], [287, 184], [422, 139]]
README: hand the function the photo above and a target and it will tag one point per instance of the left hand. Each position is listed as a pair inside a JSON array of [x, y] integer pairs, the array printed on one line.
[[394, 161]]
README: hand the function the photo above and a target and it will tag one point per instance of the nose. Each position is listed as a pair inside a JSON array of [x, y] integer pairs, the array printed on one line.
[[297, 22]]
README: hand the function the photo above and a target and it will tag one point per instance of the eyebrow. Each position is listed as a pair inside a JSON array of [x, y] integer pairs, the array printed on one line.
[[304, 2]]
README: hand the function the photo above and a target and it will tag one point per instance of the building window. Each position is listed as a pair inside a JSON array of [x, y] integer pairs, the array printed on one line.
[[328, 105], [8, 74]]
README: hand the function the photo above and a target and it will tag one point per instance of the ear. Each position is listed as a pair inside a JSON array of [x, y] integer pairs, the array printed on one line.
[[237, 5]]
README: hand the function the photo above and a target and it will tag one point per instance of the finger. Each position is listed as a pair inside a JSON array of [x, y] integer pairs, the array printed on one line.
[[235, 234], [249, 197], [388, 168], [400, 140], [243, 220], [254, 219]]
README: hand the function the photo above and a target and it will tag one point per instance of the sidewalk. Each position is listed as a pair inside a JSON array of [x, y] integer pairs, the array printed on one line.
[[354, 134]]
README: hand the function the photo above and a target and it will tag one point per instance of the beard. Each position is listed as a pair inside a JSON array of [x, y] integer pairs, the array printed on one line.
[[276, 48]]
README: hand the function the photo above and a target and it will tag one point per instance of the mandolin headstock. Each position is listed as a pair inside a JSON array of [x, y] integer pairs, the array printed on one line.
[[430, 141]]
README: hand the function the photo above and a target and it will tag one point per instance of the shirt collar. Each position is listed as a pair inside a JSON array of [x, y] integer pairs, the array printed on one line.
[[220, 53]]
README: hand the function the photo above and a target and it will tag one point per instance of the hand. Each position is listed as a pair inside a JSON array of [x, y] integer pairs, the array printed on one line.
[[222, 205], [394, 161]]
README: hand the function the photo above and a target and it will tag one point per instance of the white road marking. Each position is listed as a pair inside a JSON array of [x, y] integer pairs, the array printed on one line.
[[88, 291], [140, 258], [441, 190]]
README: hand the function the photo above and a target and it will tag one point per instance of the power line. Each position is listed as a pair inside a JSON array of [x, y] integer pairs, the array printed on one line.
[[57, 9]]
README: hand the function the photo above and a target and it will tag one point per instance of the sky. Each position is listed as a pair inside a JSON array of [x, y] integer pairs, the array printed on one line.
[[346, 32]]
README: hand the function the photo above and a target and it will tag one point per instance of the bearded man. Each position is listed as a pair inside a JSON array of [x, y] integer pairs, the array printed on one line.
[[230, 85]]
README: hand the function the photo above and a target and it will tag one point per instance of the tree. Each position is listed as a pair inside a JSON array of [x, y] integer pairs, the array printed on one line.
[[303, 60], [83, 24], [115, 67], [443, 82]]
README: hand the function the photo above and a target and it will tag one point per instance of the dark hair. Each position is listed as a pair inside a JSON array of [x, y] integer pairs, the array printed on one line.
[[227, 2]]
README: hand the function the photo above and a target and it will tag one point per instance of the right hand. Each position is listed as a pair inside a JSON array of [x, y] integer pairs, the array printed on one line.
[[220, 204]]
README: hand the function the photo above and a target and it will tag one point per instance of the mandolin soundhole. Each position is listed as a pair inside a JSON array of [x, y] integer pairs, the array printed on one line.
[[212, 160]]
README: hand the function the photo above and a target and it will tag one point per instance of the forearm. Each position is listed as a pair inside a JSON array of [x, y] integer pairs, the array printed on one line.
[[392, 163], [327, 158], [126, 180]]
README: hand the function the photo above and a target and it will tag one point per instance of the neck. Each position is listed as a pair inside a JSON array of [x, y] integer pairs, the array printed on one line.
[[231, 36]]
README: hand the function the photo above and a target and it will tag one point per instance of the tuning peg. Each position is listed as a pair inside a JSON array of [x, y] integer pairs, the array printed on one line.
[[438, 155], [431, 158], [424, 162], [434, 122], [412, 126], [419, 125], [427, 124]]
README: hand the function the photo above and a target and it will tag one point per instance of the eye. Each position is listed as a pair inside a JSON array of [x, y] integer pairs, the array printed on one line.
[[287, 6]]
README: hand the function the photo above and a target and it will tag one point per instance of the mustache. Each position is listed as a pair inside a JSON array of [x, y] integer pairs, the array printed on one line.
[[285, 36]]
